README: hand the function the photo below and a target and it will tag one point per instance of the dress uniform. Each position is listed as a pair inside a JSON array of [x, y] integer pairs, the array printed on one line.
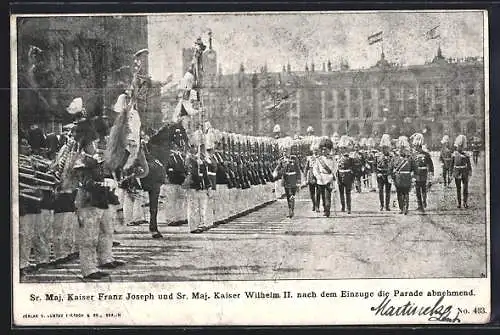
[[370, 164], [311, 178], [324, 170], [445, 157], [424, 170], [383, 168], [91, 202], [345, 173], [65, 220], [198, 187], [277, 135], [476, 147], [357, 167], [404, 167], [29, 217], [289, 171], [462, 170], [109, 216]]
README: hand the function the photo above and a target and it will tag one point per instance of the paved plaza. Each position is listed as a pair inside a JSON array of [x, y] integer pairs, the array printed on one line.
[[265, 245]]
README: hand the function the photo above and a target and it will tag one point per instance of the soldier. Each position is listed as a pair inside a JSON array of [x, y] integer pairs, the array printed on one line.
[[424, 170], [445, 158], [324, 170], [370, 164], [288, 170], [345, 174], [198, 185], [462, 170], [109, 217], [310, 178], [357, 166], [476, 147], [29, 216], [404, 166], [91, 201], [383, 169]]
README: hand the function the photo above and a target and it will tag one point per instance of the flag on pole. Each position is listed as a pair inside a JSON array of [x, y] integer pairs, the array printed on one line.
[[432, 34], [375, 38]]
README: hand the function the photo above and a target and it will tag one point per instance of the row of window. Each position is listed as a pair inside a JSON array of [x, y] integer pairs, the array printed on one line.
[[407, 109], [396, 93]]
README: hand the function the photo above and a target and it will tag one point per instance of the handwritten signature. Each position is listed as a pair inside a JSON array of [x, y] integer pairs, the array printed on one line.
[[437, 312]]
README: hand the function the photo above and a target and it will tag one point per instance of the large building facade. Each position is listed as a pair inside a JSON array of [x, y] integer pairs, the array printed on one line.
[[61, 58], [443, 96]]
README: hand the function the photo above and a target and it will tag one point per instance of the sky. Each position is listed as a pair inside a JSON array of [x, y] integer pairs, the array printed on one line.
[[300, 38]]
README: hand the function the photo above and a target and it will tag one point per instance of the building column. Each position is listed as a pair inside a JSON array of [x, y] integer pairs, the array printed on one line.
[[348, 100], [361, 103], [433, 98], [463, 100], [479, 107], [417, 100], [323, 112], [335, 95]]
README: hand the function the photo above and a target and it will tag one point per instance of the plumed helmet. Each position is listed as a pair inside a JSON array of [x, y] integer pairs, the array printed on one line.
[[461, 141], [445, 140], [276, 128], [326, 143], [385, 141], [210, 139], [370, 142], [196, 138], [310, 130], [344, 141], [403, 142], [417, 139], [76, 106], [315, 144], [362, 142]]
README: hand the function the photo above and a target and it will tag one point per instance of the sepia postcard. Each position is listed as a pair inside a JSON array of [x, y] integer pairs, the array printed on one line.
[[250, 168]]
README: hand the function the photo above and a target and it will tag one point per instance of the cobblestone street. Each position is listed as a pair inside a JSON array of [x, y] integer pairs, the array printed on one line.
[[265, 245]]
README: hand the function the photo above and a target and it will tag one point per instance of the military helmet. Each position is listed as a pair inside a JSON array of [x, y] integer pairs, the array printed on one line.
[[461, 141], [385, 141], [417, 139]]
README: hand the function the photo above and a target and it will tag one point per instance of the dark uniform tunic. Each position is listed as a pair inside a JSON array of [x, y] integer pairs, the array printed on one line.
[[423, 166], [345, 178], [462, 169], [445, 158], [288, 168], [383, 167], [404, 166]]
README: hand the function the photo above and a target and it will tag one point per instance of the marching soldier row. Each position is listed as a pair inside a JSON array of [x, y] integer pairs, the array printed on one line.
[[404, 164]]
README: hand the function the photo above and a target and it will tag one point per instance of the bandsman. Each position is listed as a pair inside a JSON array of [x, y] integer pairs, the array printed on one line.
[[462, 170], [424, 170], [91, 201], [383, 168]]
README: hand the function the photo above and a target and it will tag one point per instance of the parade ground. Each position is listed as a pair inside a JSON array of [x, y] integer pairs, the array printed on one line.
[[265, 245]]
